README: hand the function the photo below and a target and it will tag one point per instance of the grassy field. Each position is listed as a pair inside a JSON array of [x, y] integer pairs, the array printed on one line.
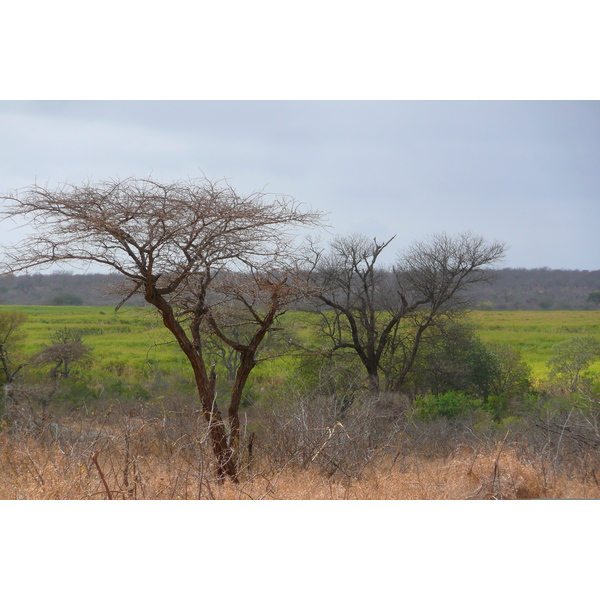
[[132, 341], [158, 449], [124, 343], [534, 333]]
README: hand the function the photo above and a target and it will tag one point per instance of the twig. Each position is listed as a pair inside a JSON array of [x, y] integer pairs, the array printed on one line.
[[496, 469], [331, 431], [470, 471], [95, 461]]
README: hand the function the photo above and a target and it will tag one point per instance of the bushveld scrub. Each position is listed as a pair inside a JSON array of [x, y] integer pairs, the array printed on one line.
[[160, 450], [206, 258], [127, 425], [129, 342]]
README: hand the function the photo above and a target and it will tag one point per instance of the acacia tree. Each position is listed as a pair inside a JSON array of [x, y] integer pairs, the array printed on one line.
[[383, 314], [177, 245], [66, 351]]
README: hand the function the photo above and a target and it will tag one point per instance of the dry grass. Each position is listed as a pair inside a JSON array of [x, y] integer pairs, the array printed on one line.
[[140, 457]]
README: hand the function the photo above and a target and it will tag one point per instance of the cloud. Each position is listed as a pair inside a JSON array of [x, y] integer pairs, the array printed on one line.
[[522, 172], [66, 147]]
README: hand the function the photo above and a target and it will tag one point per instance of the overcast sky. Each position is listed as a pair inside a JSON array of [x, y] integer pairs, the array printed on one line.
[[523, 172]]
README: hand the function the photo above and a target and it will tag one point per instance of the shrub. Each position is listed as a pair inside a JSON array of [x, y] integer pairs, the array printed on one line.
[[497, 406], [66, 300], [486, 305], [449, 405], [569, 360]]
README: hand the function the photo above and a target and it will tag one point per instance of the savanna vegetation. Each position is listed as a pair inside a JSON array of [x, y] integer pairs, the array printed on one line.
[[124, 421], [261, 367]]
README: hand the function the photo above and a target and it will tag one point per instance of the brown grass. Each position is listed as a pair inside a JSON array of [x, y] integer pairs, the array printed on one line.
[[141, 458]]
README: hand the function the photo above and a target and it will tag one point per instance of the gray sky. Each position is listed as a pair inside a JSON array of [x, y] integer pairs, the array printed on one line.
[[523, 172]]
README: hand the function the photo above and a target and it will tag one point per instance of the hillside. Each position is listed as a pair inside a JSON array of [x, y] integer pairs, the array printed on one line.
[[540, 289], [514, 289]]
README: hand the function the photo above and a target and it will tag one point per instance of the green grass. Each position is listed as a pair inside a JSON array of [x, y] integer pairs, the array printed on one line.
[[534, 333], [132, 342], [124, 342]]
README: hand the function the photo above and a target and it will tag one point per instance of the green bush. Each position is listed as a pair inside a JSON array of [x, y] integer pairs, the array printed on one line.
[[124, 390], [449, 405], [497, 406], [67, 300], [569, 360], [74, 393]]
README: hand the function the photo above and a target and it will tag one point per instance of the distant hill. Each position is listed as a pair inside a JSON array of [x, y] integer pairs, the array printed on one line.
[[61, 288], [540, 289], [514, 289]]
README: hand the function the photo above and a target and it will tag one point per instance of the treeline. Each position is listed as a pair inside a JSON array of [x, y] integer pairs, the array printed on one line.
[[513, 289], [540, 289], [60, 288]]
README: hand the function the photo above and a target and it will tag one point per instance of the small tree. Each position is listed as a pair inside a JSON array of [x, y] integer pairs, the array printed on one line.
[[455, 360], [66, 351], [512, 376], [192, 249], [458, 360], [570, 358]]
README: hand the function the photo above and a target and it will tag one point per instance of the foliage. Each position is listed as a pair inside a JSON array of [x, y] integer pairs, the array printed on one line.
[[206, 259], [513, 289], [454, 360], [67, 300], [449, 405], [338, 377], [499, 407], [511, 375], [459, 360], [534, 333], [384, 314], [11, 334], [570, 358], [594, 297], [485, 305], [160, 450], [540, 289], [132, 342]]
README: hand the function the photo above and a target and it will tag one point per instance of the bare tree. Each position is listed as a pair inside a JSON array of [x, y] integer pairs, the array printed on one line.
[[179, 245], [66, 351], [384, 313]]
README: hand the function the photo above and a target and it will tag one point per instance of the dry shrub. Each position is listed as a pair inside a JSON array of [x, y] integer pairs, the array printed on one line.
[[160, 452], [314, 433], [501, 476]]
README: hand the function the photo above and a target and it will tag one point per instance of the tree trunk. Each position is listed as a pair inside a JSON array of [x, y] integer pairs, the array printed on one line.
[[373, 375], [224, 453], [246, 365], [205, 385]]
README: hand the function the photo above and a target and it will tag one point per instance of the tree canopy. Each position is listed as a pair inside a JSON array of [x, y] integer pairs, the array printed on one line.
[[204, 256], [382, 313]]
